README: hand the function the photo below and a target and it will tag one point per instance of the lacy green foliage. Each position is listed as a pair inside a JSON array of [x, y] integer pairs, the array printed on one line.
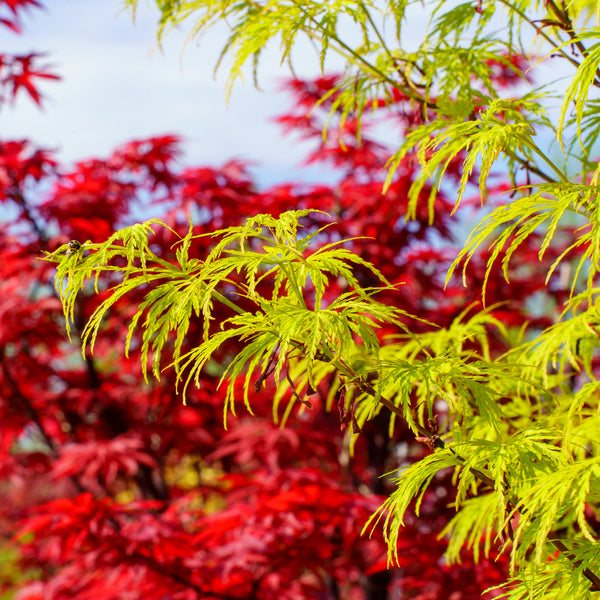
[[568, 344], [412, 484], [453, 365], [561, 494], [283, 324], [541, 211], [522, 458], [559, 578], [483, 139], [72, 274], [584, 79]]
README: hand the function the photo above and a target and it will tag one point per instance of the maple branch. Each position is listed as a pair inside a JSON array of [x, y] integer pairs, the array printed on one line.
[[350, 54], [268, 370], [539, 31], [432, 439], [566, 24], [15, 194], [30, 411], [560, 546]]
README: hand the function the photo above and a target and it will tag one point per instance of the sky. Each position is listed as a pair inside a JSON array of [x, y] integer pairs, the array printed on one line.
[[117, 86]]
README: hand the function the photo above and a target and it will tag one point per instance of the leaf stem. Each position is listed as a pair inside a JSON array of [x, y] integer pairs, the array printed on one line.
[[532, 146], [540, 31], [354, 57]]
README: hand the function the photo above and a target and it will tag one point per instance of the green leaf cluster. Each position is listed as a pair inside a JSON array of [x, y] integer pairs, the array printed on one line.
[[291, 319]]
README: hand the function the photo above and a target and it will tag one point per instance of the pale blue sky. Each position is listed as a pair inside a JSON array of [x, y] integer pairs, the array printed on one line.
[[117, 87]]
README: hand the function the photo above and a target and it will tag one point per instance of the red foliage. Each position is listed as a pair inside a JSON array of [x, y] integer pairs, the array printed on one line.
[[21, 73], [509, 70], [11, 10], [121, 491]]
